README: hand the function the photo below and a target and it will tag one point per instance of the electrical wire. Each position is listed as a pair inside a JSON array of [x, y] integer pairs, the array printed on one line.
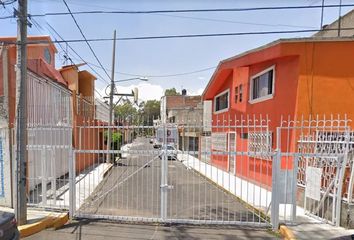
[[193, 10], [182, 36], [3, 3], [199, 18], [83, 35], [157, 76], [188, 10], [66, 56], [52, 29]]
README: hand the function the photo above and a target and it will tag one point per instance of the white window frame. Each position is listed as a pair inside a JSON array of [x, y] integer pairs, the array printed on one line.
[[228, 101], [267, 97]]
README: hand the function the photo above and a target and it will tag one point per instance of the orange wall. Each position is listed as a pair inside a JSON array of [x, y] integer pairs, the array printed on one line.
[[310, 78], [72, 77], [326, 79]]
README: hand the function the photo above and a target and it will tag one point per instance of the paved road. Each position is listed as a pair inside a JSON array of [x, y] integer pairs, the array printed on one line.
[[133, 189], [109, 231]]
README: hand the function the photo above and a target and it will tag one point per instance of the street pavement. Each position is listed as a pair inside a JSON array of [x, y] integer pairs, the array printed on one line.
[[94, 230], [132, 189]]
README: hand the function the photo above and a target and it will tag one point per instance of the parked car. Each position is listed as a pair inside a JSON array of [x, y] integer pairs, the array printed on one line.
[[8, 226], [156, 144], [171, 153], [125, 148]]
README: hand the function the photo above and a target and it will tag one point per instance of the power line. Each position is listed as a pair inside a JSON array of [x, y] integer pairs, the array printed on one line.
[[38, 26], [193, 10], [188, 10], [83, 35], [200, 18], [159, 76], [8, 2], [181, 36], [237, 22], [78, 55], [123, 73]]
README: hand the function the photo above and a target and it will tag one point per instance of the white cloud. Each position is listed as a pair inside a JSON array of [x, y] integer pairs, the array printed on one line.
[[195, 92], [147, 91]]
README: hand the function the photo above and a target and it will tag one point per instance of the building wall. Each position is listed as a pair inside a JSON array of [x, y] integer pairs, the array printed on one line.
[[326, 79], [310, 78], [346, 21]]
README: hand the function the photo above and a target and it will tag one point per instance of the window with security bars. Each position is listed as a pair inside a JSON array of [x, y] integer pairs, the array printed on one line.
[[333, 142], [259, 143]]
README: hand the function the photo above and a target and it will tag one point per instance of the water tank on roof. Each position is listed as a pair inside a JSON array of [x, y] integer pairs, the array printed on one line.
[[184, 92]]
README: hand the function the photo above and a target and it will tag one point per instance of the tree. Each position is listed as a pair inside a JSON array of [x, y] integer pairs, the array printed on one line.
[[149, 111], [124, 111], [171, 92]]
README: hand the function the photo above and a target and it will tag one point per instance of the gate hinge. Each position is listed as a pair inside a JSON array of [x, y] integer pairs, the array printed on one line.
[[168, 187]]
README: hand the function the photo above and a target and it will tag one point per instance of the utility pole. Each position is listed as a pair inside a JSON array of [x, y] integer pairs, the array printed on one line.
[[21, 115], [111, 94]]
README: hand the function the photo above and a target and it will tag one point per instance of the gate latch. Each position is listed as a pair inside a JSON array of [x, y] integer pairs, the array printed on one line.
[[166, 186]]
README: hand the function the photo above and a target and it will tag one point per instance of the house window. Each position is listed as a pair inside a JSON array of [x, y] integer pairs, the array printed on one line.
[[262, 85], [47, 56], [221, 101], [236, 94], [240, 92], [259, 143]]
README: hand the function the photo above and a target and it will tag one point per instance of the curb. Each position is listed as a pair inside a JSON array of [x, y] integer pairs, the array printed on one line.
[[47, 222], [60, 220], [107, 170], [286, 232]]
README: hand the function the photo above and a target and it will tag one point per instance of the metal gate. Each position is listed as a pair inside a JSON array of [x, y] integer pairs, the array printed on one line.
[[159, 173], [312, 161], [146, 175]]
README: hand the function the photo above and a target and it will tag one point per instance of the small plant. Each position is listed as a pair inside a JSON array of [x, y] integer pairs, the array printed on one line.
[[116, 142]]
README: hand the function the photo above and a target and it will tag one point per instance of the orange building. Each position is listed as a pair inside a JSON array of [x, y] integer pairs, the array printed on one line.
[[289, 77], [41, 61]]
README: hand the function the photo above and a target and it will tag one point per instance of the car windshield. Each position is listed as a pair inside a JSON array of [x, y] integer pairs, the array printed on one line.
[[170, 148]]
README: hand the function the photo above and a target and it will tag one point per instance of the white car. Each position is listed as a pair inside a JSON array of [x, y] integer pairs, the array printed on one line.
[[171, 152], [125, 148]]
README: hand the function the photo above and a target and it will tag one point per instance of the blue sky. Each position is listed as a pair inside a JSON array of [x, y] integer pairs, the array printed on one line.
[[170, 56]]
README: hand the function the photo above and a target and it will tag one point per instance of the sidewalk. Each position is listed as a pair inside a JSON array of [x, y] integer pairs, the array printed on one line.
[[310, 228], [305, 226]]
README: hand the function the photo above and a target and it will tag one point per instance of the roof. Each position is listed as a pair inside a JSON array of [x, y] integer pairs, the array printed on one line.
[[272, 45], [72, 66], [44, 39], [40, 67]]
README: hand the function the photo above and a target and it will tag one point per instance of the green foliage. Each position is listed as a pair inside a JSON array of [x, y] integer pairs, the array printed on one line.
[[125, 110], [116, 139], [171, 92]]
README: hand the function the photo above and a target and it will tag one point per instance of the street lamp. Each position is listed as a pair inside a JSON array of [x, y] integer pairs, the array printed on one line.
[[135, 78], [114, 91]]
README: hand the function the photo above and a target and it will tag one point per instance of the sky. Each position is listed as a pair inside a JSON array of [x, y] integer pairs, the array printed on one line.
[[159, 59]]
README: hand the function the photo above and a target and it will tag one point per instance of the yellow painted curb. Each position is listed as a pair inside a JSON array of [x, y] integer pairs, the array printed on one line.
[[60, 220], [286, 233], [29, 229], [47, 222]]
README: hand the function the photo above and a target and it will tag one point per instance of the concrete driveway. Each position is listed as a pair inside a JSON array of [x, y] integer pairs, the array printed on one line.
[[132, 189]]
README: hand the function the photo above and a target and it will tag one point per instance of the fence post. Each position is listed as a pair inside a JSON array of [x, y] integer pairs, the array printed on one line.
[[275, 180], [164, 169], [294, 188], [72, 189]]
